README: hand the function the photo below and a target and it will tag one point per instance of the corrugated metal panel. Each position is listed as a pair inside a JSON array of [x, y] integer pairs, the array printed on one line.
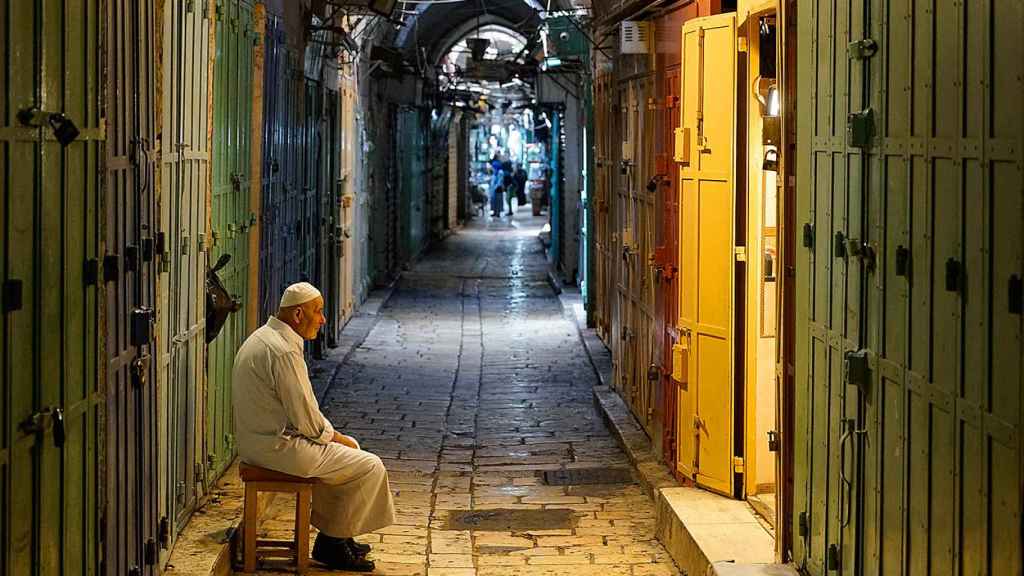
[[919, 469], [412, 185], [667, 255], [184, 172], [230, 217], [130, 507]]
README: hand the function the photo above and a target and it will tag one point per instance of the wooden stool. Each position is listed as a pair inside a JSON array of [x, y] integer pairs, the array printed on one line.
[[258, 480]]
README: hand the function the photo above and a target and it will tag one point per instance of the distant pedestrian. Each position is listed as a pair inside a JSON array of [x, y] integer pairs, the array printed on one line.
[[497, 189]]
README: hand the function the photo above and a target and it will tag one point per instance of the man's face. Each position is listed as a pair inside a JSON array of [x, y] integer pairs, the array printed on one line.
[[309, 318]]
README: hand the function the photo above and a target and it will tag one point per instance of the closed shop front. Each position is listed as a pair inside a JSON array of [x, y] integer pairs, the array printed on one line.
[[129, 279], [184, 186], [909, 327], [51, 480], [231, 218]]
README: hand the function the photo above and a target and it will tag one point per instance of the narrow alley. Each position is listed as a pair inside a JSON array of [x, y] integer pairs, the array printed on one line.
[[471, 385], [524, 287]]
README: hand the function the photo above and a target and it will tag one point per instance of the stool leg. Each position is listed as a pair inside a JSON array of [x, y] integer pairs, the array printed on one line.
[[249, 529], [303, 503]]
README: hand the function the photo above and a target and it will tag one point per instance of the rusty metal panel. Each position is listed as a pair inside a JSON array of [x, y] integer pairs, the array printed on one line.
[[231, 217], [130, 269], [667, 256], [51, 396], [913, 251], [184, 169], [636, 228]]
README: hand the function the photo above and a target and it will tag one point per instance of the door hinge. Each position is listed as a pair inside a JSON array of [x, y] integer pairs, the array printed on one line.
[[151, 552], [164, 532], [954, 275], [737, 464], [198, 473], [808, 235], [13, 295], [803, 524], [1016, 294], [142, 326], [111, 267], [902, 261], [91, 272], [832, 561], [773, 441], [179, 491]]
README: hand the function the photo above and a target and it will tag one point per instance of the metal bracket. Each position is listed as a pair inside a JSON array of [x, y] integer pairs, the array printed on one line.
[[808, 235], [860, 128], [857, 366], [13, 294]]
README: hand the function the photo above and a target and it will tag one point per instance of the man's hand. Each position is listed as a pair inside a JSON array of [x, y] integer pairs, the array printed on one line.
[[346, 440]]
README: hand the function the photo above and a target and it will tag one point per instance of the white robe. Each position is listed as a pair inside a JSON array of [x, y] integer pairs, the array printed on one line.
[[278, 425]]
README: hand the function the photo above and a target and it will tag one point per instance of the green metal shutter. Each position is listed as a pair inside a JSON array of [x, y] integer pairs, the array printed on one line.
[[919, 469], [232, 122], [185, 164], [49, 250]]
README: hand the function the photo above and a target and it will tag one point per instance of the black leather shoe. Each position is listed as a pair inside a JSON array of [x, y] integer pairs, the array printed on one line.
[[336, 555], [358, 548]]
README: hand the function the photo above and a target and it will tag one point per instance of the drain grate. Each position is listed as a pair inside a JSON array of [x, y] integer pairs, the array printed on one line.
[[582, 476], [506, 520]]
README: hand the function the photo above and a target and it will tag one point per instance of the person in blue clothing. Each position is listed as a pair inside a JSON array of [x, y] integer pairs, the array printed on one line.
[[497, 187]]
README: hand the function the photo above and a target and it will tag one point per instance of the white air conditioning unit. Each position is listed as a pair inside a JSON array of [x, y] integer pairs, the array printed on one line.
[[636, 37]]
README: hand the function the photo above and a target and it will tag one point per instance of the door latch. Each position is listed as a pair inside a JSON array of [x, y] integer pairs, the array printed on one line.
[[39, 422], [773, 441], [63, 128]]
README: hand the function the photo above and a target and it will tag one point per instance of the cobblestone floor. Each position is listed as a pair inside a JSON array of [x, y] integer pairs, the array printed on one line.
[[472, 384]]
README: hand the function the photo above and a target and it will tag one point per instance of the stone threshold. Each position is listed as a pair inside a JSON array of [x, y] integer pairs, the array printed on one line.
[[207, 543], [705, 534]]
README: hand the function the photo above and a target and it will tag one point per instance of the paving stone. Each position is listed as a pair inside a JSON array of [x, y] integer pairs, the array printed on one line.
[[469, 384]]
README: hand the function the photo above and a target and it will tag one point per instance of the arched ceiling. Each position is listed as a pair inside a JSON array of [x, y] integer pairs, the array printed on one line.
[[436, 27]]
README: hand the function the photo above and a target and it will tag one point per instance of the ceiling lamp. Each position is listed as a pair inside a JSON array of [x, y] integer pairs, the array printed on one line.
[[477, 47]]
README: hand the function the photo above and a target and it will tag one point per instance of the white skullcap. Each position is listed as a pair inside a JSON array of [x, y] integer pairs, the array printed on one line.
[[299, 293]]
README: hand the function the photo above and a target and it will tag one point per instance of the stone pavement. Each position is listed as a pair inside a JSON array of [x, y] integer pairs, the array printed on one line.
[[472, 383]]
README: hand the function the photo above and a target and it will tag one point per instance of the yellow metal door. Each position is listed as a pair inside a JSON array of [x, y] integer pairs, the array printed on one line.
[[706, 250]]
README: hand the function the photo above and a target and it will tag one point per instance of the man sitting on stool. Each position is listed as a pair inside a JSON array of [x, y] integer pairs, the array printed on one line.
[[279, 426]]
